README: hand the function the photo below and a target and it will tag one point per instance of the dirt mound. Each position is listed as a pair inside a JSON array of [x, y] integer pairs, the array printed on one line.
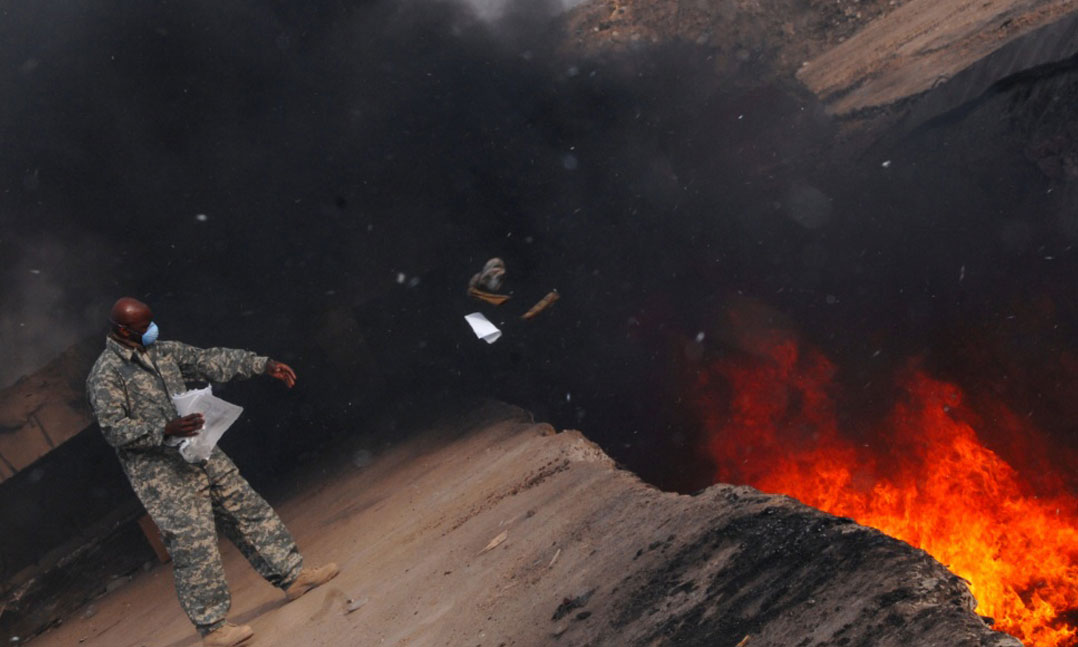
[[497, 531]]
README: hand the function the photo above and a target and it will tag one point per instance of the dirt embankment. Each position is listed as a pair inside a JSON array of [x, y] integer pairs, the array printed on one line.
[[922, 45], [853, 54], [496, 531], [774, 37]]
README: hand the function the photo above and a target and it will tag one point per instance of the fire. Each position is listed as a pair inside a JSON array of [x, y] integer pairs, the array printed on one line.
[[923, 476]]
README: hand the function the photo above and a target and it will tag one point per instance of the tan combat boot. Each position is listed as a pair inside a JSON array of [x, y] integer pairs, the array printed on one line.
[[310, 578], [227, 635]]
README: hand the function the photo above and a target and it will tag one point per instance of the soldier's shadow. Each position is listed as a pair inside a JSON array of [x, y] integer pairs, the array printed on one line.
[[241, 619], [265, 607]]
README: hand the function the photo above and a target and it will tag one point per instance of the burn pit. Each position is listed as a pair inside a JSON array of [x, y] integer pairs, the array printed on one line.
[[658, 196], [922, 474], [883, 294]]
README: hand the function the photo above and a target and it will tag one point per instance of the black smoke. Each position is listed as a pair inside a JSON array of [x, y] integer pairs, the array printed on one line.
[[319, 180]]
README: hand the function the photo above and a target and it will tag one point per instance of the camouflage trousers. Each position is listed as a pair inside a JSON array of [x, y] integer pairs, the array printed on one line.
[[188, 503]]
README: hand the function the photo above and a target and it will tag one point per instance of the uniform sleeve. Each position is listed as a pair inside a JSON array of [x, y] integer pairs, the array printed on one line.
[[109, 402], [216, 364]]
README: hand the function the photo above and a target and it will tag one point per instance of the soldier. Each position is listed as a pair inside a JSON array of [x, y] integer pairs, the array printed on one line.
[[130, 389]]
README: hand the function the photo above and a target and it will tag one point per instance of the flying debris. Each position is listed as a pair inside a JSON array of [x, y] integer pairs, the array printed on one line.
[[485, 284], [483, 328], [542, 305]]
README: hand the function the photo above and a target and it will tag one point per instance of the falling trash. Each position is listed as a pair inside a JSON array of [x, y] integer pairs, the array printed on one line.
[[489, 297], [482, 327], [485, 284], [490, 277], [543, 304]]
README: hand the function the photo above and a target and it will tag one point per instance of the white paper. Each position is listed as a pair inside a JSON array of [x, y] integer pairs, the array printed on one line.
[[218, 416], [482, 327]]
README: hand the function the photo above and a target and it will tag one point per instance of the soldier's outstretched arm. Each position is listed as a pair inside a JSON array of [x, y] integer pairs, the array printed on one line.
[[215, 364], [109, 403]]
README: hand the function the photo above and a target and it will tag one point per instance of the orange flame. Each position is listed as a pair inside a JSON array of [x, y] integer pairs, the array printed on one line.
[[927, 479]]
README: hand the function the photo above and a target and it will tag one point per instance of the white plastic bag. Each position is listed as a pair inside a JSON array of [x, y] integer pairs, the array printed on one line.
[[217, 415]]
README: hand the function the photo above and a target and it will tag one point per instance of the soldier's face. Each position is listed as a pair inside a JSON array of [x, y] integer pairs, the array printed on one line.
[[142, 322], [137, 324]]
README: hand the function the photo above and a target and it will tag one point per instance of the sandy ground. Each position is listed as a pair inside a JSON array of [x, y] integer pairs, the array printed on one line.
[[495, 531], [408, 532]]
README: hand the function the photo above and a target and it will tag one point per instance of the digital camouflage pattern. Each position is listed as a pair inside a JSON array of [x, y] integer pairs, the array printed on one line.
[[130, 393]]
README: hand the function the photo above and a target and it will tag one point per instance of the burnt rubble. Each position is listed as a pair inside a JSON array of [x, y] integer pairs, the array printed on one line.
[[771, 570]]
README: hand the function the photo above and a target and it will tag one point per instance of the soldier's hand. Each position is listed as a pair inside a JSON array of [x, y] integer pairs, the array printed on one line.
[[185, 426], [282, 372]]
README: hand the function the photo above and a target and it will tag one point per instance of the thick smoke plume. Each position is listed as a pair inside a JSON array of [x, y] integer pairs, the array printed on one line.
[[261, 172]]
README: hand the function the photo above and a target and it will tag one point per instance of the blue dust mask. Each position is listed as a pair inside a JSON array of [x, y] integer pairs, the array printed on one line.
[[150, 336]]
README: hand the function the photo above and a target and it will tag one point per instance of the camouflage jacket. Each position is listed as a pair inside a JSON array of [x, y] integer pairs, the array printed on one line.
[[130, 393]]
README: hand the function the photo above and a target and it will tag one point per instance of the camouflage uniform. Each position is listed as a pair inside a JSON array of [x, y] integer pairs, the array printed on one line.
[[130, 395]]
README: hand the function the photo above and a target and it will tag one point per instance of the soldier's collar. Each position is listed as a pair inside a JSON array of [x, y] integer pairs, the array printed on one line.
[[123, 351]]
